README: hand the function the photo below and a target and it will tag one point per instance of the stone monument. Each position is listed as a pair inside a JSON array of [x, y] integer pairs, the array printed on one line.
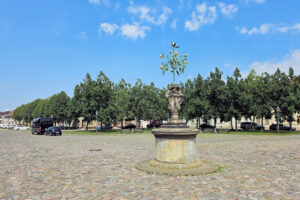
[[175, 145], [175, 142]]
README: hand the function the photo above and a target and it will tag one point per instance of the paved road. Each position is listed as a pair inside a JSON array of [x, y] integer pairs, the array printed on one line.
[[40, 167]]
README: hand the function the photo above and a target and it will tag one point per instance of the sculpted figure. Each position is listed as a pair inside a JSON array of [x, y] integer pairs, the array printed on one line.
[[174, 97]]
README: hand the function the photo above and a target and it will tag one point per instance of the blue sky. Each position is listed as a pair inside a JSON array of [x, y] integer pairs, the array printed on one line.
[[49, 46]]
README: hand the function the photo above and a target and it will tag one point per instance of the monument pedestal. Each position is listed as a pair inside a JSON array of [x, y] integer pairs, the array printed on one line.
[[175, 145], [176, 153]]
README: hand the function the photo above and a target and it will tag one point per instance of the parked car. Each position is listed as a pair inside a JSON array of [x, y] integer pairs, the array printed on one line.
[[103, 128], [40, 124], [3, 125], [281, 127], [154, 124], [206, 126], [129, 126], [251, 126], [20, 127], [53, 131], [10, 126]]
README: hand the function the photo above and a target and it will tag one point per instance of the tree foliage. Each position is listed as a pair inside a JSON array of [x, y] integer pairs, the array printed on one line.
[[256, 96]]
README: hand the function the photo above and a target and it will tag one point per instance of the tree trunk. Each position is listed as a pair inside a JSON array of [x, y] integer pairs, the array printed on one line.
[[236, 124], [277, 114], [262, 123], [215, 125], [87, 126], [139, 121], [290, 122], [199, 124], [231, 123]]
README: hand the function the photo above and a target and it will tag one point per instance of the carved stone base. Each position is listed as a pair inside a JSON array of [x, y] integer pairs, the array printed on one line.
[[175, 145], [191, 169]]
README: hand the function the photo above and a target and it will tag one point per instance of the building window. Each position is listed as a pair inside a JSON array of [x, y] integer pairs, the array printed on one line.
[[298, 119]]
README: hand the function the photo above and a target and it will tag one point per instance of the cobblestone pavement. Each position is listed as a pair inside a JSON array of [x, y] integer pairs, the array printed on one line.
[[101, 167]]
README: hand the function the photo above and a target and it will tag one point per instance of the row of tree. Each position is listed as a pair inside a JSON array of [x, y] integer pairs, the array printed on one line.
[[100, 100], [251, 97], [211, 98]]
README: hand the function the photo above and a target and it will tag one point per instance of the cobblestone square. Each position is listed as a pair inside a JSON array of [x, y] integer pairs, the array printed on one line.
[[102, 167]]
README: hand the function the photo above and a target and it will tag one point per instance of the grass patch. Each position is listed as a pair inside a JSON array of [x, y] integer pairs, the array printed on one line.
[[148, 131], [282, 133], [107, 132]]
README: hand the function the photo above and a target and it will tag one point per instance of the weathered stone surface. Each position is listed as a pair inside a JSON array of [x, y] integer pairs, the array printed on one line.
[[176, 150], [175, 143], [174, 97], [189, 169], [40, 167]]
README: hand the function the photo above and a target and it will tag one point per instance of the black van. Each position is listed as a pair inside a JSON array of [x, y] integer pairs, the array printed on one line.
[[251, 126], [40, 124]]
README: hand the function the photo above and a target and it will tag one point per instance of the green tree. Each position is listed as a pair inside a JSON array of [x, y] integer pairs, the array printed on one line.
[[195, 103], [58, 106], [137, 101], [27, 111], [262, 98], [88, 102], [297, 91], [289, 104], [122, 100], [216, 96], [232, 93], [105, 94], [42, 109], [19, 114], [155, 103], [74, 108], [248, 108], [279, 92], [187, 111]]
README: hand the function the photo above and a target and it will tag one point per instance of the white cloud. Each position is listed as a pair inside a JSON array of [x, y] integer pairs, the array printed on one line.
[[243, 30], [268, 28], [284, 29], [117, 5], [203, 15], [291, 60], [108, 28], [96, 2], [255, 1], [147, 14], [134, 30], [228, 10], [259, 1], [174, 24], [99, 2], [82, 35]]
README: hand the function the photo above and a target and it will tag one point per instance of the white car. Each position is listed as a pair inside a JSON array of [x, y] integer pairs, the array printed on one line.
[[3, 125], [20, 127], [11, 126]]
